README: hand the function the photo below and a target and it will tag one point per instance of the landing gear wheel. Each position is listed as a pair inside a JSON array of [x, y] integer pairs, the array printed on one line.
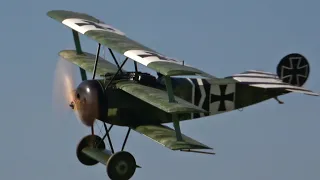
[[89, 141], [121, 166]]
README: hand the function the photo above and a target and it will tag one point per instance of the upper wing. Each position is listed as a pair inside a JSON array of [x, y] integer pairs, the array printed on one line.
[[117, 40], [167, 137], [158, 98], [268, 81], [87, 60]]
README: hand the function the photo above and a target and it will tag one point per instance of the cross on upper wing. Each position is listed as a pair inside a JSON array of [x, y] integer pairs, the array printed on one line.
[[150, 54], [84, 25]]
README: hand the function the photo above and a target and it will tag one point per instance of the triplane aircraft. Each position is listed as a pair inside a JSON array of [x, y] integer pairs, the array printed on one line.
[[143, 102]]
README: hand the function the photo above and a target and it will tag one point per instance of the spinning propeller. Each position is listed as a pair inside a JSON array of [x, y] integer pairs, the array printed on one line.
[[63, 87], [81, 99]]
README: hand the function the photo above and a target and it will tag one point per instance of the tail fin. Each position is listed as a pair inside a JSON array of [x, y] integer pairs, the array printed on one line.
[[294, 69]]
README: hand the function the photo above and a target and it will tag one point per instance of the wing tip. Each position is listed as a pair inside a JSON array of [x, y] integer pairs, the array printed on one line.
[[67, 53], [52, 12]]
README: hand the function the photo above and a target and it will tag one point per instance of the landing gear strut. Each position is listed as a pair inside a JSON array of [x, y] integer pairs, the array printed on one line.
[[120, 165]]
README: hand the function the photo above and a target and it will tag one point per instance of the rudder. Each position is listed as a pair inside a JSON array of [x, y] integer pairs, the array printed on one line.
[[294, 69]]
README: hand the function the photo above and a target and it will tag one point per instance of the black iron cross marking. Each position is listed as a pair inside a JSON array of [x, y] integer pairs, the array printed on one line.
[[86, 22], [222, 98], [150, 54], [153, 54], [295, 71]]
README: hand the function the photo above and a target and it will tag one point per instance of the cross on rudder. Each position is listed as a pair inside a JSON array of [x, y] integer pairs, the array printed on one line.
[[295, 71]]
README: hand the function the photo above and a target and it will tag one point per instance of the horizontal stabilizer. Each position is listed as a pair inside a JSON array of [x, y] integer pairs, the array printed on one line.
[[86, 61], [167, 137], [118, 41], [307, 92], [158, 98], [268, 80]]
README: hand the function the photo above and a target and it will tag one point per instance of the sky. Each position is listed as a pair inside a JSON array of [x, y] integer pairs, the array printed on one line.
[[221, 37]]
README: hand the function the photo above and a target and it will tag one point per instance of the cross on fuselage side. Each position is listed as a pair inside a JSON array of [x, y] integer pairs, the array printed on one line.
[[222, 98]]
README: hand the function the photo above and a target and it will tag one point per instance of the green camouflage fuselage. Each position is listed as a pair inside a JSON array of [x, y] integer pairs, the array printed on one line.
[[125, 109]]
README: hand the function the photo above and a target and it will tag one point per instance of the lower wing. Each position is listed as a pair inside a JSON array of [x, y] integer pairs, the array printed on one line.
[[167, 137]]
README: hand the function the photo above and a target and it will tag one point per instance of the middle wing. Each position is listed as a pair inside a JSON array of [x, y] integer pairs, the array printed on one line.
[[158, 98], [117, 40]]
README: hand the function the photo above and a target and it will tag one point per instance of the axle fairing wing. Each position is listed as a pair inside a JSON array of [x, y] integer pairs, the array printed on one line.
[[118, 41]]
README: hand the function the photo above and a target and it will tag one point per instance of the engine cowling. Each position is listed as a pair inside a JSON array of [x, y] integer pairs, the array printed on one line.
[[294, 69], [90, 101]]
